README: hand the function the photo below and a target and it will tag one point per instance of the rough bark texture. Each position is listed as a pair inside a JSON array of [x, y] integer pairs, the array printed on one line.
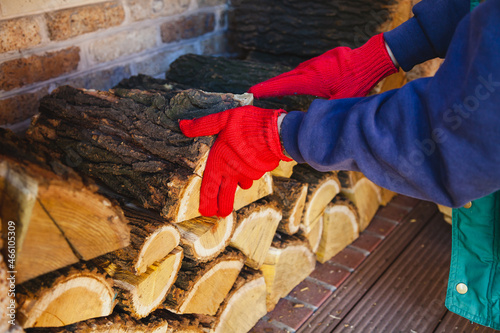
[[130, 140], [307, 28], [117, 323], [235, 76]]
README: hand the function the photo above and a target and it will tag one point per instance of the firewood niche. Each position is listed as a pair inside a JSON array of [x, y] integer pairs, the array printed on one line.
[[183, 272], [130, 140]]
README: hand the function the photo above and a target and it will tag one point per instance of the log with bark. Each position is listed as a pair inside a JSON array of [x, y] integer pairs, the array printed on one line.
[[340, 228], [141, 294], [117, 322], [204, 238], [256, 225], [220, 74], [64, 297], [364, 194], [312, 232], [289, 261], [59, 218], [323, 187], [151, 239], [291, 196], [243, 307], [200, 288], [307, 28], [131, 142]]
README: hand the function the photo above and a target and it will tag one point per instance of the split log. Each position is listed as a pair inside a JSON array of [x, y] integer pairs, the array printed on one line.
[[323, 187], [201, 287], [284, 169], [130, 141], [291, 197], [242, 308], [366, 196], [65, 297], [256, 225], [117, 322], [287, 255], [142, 294], [340, 228], [59, 219], [309, 28], [220, 74], [152, 239], [204, 238], [312, 232]]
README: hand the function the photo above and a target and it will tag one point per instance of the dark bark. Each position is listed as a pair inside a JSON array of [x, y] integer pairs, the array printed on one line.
[[307, 28], [129, 139], [234, 76]]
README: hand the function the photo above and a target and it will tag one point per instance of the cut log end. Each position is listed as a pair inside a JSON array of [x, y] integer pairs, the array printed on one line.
[[156, 247], [340, 228], [204, 238], [201, 288], [288, 253], [244, 306], [68, 298], [140, 295], [256, 227]]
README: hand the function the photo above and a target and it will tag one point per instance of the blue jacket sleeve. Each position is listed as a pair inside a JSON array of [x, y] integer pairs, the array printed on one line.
[[427, 35], [436, 138]]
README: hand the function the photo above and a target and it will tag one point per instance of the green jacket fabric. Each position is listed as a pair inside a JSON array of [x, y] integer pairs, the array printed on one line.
[[474, 280]]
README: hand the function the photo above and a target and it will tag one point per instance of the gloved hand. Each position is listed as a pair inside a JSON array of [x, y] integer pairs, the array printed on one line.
[[247, 146], [338, 73]]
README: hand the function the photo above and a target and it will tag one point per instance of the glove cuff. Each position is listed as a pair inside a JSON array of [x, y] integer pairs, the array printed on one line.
[[274, 140], [371, 63]]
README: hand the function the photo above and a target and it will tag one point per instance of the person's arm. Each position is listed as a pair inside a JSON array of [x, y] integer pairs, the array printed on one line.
[[436, 139], [427, 35]]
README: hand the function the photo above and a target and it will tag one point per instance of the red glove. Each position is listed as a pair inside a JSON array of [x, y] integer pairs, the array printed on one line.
[[338, 73], [247, 146]]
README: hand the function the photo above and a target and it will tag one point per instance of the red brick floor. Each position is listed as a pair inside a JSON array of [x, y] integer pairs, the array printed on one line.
[[340, 293]]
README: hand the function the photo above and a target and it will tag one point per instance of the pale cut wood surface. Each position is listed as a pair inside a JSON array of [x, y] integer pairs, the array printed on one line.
[[142, 294], [204, 238], [256, 225], [287, 254], [340, 228], [64, 297]]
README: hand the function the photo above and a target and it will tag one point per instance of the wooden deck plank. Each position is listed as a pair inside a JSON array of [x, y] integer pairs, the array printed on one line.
[[352, 291], [453, 323], [409, 296]]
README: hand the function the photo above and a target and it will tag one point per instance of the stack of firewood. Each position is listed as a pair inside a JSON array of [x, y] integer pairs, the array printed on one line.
[[104, 192]]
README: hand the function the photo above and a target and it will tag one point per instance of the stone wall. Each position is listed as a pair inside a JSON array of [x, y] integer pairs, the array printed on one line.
[[95, 44]]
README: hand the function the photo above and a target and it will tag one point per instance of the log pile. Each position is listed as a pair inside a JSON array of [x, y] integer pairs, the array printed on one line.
[[107, 183]]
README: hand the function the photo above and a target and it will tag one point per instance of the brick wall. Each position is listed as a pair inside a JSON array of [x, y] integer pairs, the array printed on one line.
[[95, 44]]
